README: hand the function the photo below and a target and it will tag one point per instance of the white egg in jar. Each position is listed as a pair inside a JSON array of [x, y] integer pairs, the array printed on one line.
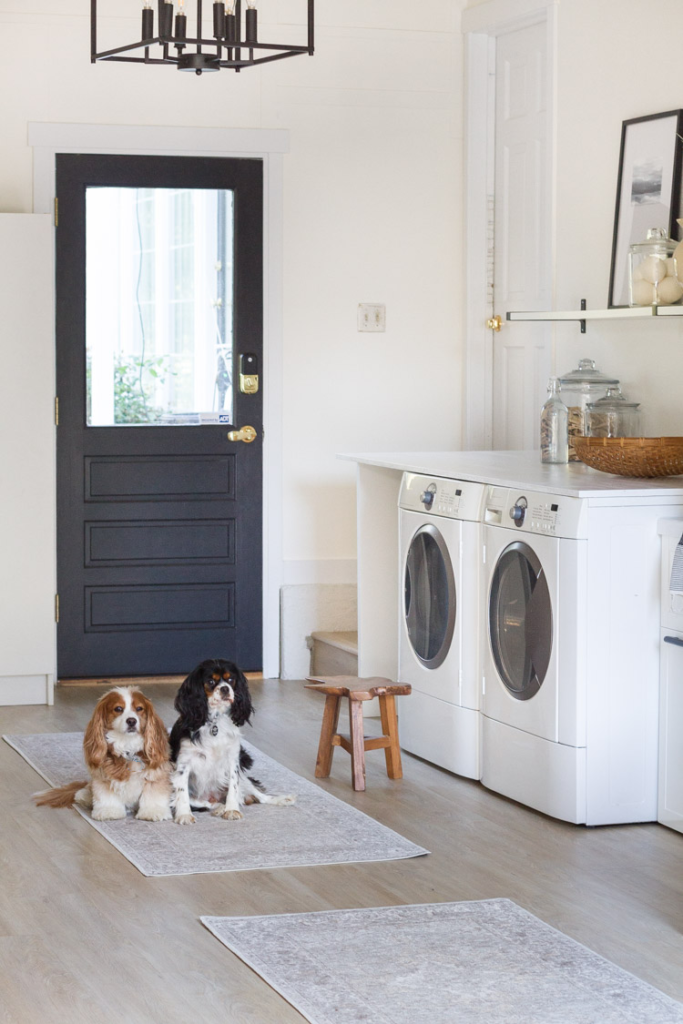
[[643, 293], [653, 269], [669, 290]]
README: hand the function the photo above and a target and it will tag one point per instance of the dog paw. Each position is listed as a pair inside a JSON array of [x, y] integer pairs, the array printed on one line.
[[218, 810], [107, 814], [232, 815], [284, 801], [185, 819], [160, 815]]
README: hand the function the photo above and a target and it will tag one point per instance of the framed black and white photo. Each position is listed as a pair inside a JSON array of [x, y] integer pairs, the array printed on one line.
[[648, 190]]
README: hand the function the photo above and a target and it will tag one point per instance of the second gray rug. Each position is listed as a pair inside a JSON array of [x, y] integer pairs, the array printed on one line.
[[317, 829], [485, 962]]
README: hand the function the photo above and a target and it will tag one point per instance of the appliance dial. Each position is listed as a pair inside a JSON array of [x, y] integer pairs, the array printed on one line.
[[518, 511], [427, 497]]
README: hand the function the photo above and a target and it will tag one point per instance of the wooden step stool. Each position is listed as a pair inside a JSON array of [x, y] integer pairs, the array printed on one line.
[[358, 690]]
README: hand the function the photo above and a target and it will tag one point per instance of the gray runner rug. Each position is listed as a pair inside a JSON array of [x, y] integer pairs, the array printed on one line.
[[317, 829], [487, 962]]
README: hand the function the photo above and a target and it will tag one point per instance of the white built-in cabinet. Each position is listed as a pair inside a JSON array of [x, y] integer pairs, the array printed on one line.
[[27, 460], [670, 800]]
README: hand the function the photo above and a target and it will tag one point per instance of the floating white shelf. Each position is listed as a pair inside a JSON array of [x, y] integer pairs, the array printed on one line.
[[583, 314]]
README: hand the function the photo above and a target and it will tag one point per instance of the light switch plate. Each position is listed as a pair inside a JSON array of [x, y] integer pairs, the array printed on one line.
[[372, 316]]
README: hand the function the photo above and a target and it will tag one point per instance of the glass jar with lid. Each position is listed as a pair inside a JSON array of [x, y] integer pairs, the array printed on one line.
[[613, 416], [652, 271], [580, 388]]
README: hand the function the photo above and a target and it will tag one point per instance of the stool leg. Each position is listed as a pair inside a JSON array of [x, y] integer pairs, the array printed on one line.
[[387, 710], [357, 744], [323, 764]]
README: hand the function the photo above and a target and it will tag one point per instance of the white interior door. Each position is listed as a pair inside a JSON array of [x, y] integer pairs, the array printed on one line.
[[522, 232]]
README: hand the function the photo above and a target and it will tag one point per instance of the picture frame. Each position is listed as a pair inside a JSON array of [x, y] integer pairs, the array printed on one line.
[[648, 190]]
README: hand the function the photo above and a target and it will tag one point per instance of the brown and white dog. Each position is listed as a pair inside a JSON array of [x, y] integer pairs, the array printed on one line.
[[127, 755]]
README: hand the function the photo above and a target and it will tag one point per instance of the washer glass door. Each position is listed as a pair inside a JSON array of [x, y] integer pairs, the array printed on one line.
[[520, 621], [429, 596]]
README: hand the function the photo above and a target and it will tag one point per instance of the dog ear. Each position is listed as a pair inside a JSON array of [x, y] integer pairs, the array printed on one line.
[[95, 740], [156, 738], [242, 708], [190, 700]]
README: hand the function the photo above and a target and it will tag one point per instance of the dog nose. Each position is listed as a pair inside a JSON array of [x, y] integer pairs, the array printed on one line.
[[131, 721], [225, 689]]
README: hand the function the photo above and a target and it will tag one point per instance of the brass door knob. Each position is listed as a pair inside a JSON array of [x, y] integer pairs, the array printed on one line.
[[494, 323], [246, 434]]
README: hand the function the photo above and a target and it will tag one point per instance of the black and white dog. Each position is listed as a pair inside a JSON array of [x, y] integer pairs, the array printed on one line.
[[210, 763]]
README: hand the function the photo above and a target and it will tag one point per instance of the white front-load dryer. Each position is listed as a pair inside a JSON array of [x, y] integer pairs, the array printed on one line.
[[439, 541], [533, 668]]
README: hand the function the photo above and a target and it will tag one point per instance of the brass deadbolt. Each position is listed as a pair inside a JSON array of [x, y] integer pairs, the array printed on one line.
[[246, 434]]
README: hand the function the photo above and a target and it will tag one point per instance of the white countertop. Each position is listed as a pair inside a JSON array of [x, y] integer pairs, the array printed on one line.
[[521, 469]]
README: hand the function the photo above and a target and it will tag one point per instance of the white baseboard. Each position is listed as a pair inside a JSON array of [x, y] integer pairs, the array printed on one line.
[[26, 690]]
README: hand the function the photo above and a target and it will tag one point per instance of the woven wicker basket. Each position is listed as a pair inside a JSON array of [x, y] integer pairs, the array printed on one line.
[[632, 456]]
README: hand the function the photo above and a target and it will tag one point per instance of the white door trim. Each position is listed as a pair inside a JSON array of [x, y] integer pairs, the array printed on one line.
[[269, 145], [481, 25]]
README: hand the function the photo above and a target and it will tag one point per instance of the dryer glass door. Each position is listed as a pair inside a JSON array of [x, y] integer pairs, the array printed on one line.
[[520, 621], [429, 595]]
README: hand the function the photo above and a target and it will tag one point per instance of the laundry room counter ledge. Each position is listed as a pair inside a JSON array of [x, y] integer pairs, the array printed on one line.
[[519, 469]]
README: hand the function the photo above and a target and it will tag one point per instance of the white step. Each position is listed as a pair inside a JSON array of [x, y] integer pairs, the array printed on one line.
[[334, 654]]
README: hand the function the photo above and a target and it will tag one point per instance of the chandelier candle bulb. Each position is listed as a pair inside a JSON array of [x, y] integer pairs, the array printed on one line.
[[230, 30], [180, 27], [147, 22], [165, 20], [218, 20], [251, 17]]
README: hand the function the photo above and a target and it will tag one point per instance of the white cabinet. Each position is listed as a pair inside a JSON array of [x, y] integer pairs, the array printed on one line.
[[670, 804], [670, 800], [27, 458]]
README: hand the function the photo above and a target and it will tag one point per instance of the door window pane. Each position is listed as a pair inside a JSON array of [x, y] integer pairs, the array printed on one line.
[[159, 306]]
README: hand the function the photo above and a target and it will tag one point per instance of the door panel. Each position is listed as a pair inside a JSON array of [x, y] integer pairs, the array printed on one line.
[[523, 255], [159, 514]]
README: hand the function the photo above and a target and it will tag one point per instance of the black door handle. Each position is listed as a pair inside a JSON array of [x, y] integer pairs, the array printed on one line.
[[673, 640]]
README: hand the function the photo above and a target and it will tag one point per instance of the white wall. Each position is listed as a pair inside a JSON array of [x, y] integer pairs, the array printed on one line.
[[608, 73], [27, 446], [372, 214], [613, 63]]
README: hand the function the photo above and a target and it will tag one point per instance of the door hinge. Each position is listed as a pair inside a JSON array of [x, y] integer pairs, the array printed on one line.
[[56, 212], [56, 412], [56, 607]]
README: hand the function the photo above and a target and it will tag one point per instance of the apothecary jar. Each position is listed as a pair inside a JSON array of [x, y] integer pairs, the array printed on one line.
[[613, 416], [580, 388]]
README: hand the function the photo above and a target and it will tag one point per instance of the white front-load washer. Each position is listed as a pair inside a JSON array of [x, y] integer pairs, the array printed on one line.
[[439, 541], [534, 639]]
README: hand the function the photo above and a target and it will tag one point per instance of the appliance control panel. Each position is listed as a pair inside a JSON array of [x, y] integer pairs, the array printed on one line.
[[531, 512], [452, 499]]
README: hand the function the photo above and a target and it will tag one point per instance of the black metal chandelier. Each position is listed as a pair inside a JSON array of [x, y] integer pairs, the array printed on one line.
[[234, 43]]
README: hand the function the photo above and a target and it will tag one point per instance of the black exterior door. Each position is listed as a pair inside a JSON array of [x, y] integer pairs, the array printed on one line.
[[159, 308]]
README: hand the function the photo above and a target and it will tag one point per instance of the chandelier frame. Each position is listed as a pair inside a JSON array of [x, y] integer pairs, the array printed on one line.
[[227, 48]]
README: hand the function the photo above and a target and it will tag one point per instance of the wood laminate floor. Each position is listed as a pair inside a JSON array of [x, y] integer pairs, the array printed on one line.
[[84, 937]]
